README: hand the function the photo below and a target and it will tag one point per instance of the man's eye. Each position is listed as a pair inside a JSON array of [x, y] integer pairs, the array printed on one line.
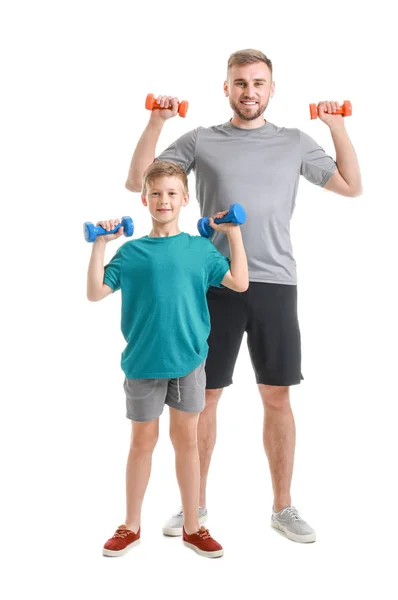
[[259, 83]]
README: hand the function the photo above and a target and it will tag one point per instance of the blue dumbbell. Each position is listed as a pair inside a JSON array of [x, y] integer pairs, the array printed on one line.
[[91, 231], [236, 214]]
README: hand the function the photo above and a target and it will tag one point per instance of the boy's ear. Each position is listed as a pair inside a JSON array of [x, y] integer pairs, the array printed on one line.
[[185, 200], [144, 201]]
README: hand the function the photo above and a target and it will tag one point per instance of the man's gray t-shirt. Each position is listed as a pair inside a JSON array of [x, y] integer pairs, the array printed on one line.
[[259, 169]]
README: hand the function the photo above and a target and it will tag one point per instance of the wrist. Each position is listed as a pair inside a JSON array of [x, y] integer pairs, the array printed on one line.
[[234, 233]]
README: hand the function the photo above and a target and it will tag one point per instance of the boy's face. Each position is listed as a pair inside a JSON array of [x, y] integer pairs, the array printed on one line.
[[164, 197], [249, 88]]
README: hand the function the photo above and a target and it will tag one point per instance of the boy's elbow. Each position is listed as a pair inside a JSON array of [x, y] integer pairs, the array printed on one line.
[[93, 297], [243, 287]]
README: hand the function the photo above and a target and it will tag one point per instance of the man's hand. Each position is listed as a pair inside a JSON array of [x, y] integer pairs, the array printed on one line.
[[325, 108], [225, 227], [108, 225], [169, 108]]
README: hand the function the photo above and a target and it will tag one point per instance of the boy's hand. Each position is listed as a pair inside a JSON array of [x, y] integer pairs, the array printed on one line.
[[108, 225], [225, 227], [169, 108]]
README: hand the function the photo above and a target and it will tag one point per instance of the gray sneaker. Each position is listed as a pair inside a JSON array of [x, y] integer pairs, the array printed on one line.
[[289, 521], [174, 525]]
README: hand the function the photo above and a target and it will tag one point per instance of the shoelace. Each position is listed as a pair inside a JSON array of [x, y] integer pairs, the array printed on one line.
[[204, 533], [293, 512], [121, 533], [179, 513]]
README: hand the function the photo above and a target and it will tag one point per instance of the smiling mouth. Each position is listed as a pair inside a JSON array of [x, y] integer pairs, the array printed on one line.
[[248, 102], [164, 209]]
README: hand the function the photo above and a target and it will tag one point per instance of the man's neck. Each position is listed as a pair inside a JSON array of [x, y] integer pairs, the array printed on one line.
[[242, 124]]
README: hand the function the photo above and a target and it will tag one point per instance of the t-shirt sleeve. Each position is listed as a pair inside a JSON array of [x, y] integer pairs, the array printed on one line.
[[217, 265], [316, 165], [182, 151], [113, 271]]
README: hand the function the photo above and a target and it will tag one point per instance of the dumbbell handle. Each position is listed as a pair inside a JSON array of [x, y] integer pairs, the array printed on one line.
[[151, 103], [91, 232], [236, 214], [345, 110]]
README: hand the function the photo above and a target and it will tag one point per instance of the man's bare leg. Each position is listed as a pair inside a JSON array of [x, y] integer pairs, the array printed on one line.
[[279, 436]]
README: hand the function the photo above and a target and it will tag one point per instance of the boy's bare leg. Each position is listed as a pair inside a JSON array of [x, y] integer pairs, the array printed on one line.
[[183, 435], [207, 433], [279, 441], [143, 441]]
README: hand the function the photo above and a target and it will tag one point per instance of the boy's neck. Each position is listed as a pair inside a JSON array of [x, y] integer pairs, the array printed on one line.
[[167, 230]]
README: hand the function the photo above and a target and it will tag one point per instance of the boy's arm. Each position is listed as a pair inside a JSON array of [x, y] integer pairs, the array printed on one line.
[[237, 278], [144, 153], [96, 288]]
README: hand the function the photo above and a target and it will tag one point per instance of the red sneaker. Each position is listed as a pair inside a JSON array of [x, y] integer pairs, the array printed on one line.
[[121, 541], [202, 543]]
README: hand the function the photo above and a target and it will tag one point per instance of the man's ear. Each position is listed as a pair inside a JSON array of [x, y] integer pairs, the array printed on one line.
[[272, 90], [226, 88], [144, 201]]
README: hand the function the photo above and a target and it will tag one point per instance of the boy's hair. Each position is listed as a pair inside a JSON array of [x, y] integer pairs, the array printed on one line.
[[248, 57], [163, 168]]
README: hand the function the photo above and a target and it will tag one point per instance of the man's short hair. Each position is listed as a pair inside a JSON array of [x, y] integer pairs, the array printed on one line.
[[248, 57]]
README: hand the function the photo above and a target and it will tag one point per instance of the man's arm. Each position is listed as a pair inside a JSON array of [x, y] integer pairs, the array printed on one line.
[[144, 153], [346, 180]]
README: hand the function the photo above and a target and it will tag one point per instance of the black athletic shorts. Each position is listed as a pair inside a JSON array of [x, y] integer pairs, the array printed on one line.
[[268, 313]]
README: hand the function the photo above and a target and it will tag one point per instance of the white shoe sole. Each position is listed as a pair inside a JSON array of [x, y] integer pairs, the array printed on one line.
[[214, 554], [106, 552], [303, 539], [176, 531]]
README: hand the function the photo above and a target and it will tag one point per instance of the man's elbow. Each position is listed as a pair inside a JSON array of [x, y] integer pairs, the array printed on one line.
[[355, 192], [132, 186]]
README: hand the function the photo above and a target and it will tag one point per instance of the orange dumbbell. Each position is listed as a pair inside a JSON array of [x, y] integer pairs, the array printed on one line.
[[150, 104], [345, 110]]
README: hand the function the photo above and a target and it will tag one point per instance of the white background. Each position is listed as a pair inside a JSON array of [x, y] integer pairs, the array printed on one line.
[[75, 76]]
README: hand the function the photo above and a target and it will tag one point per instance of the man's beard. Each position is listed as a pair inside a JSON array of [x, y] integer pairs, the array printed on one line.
[[246, 116]]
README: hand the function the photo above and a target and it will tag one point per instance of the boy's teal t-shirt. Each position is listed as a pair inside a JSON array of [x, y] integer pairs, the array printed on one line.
[[165, 319]]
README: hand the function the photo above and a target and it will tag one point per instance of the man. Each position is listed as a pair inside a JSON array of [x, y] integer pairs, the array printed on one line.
[[253, 162]]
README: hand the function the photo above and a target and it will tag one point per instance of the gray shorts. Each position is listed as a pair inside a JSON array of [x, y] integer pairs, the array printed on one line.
[[145, 398]]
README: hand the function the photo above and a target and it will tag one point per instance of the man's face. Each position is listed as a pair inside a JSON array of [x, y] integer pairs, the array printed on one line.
[[249, 88], [164, 197]]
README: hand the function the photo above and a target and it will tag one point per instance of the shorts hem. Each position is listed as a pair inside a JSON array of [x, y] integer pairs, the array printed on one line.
[[143, 420], [287, 383], [217, 387], [184, 409]]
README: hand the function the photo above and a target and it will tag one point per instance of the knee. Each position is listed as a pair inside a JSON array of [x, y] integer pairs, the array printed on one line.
[[212, 397], [275, 397], [182, 440], [144, 442]]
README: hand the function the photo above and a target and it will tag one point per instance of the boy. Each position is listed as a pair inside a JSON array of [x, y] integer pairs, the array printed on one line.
[[164, 278]]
